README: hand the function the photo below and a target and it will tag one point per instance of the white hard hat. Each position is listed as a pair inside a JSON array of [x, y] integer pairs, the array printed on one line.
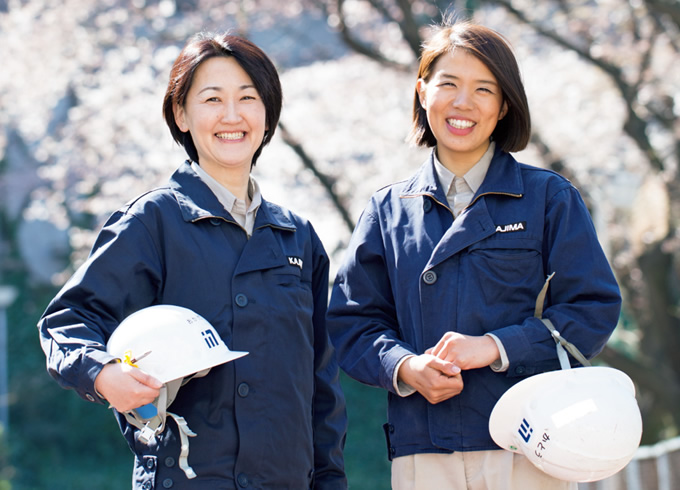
[[169, 342], [580, 424], [173, 344]]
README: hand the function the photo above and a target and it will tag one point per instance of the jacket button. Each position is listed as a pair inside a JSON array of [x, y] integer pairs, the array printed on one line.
[[242, 480], [430, 277], [215, 221], [390, 428], [520, 370], [241, 300], [243, 390], [89, 397], [150, 464], [169, 462], [167, 483], [427, 205], [147, 485]]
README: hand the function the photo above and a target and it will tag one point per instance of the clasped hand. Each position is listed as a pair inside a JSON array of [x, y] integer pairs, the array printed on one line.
[[436, 374]]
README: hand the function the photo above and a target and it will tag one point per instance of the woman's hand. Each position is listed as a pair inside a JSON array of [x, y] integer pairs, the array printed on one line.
[[126, 387], [437, 380], [466, 351]]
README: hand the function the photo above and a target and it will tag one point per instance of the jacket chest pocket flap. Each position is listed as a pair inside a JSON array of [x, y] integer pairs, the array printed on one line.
[[507, 257]]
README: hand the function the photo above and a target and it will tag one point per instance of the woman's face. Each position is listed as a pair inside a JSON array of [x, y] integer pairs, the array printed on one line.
[[225, 115], [464, 103]]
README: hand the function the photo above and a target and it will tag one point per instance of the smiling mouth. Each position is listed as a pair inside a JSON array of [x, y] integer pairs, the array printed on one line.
[[459, 123], [231, 136]]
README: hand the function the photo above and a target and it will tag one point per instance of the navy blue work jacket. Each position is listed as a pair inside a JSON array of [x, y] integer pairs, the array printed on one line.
[[272, 419], [413, 273]]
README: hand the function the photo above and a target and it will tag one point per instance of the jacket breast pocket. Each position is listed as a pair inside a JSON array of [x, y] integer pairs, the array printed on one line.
[[291, 287], [286, 276], [508, 271]]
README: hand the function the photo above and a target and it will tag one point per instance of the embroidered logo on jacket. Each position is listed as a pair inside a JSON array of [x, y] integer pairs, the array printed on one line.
[[521, 226], [296, 261]]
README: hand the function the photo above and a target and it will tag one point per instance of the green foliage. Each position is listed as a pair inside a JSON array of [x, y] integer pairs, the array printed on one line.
[[55, 439], [366, 460]]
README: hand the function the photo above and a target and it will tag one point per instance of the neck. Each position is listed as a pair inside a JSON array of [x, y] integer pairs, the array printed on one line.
[[236, 180], [460, 163]]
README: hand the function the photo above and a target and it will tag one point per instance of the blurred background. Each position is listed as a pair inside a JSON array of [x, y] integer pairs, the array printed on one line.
[[81, 133]]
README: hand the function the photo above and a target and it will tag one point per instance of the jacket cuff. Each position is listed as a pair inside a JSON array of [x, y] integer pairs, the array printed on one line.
[[96, 360], [402, 389], [499, 365]]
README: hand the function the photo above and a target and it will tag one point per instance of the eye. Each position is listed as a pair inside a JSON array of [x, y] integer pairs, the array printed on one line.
[[488, 90], [213, 99], [250, 95]]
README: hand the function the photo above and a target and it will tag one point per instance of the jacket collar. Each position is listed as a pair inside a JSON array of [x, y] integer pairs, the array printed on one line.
[[503, 177], [196, 201]]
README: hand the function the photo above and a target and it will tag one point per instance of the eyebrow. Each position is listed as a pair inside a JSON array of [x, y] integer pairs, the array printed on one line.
[[455, 77], [219, 89]]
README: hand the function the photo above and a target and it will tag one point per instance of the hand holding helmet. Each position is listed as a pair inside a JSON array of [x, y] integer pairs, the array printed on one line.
[[162, 345], [126, 387]]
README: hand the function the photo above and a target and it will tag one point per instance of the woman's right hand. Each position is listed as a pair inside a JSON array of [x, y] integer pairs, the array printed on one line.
[[436, 379], [126, 387]]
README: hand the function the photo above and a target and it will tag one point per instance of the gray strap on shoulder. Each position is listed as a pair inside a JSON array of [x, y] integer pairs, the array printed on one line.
[[561, 342]]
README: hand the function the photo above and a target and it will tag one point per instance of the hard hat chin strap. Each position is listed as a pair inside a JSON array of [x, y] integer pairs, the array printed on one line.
[[156, 424], [184, 433], [561, 342]]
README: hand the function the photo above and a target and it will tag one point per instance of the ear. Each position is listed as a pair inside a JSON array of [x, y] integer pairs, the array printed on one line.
[[504, 111], [421, 86], [180, 118]]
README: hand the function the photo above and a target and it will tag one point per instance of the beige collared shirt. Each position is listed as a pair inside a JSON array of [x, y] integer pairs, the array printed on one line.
[[460, 190], [239, 210]]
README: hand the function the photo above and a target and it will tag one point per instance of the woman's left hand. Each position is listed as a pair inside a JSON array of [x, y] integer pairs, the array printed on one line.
[[466, 351]]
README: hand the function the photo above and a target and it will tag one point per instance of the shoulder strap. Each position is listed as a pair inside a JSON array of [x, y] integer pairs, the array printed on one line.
[[561, 342]]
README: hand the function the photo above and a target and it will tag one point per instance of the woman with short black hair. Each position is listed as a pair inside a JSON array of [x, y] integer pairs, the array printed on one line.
[[209, 242]]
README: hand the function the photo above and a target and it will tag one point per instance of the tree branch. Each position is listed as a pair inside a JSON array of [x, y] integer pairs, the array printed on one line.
[[326, 181], [635, 126], [359, 47]]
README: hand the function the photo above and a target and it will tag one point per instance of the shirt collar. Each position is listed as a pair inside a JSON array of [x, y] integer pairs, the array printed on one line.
[[230, 202], [474, 177], [197, 202]]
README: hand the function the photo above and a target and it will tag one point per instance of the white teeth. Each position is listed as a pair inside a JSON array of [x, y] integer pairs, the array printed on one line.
[[231, 136], [460, 124]]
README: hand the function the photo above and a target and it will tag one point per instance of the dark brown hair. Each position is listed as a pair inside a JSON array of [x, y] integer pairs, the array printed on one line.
[[512, 133], [252, 59]]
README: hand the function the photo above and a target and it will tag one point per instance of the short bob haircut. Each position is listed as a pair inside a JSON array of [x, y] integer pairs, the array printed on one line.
[[252, 59], [512, 133]]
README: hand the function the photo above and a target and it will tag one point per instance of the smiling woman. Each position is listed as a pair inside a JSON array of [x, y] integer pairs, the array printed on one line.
[[208, 242], [435, 302], [463, 102], [226, 118]]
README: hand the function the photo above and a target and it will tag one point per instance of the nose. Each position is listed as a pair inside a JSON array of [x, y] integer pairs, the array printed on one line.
[[230, 112], [462, 99]]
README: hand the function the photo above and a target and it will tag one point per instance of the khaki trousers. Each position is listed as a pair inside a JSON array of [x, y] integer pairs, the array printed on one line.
[[472, 470]]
